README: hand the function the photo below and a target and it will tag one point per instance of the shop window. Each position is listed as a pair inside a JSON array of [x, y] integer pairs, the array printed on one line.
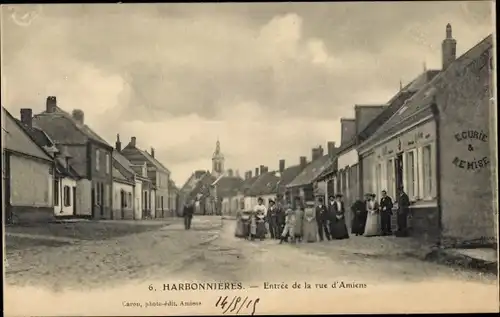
[[391, 180], [428, 171], [411, 179], [67, 196]]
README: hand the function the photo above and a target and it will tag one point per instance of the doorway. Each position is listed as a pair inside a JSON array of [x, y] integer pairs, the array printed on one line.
[[74, 201], [399, 172]]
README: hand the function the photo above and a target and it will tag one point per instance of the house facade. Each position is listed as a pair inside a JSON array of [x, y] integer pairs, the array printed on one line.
[[91, 157], [225, 188], [173, 199], [65, 187], [27, 168], [157, 173], [437, 143]]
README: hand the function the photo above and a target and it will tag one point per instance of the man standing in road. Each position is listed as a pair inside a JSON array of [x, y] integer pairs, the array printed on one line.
[[188, 214], [322, 220], [273, 220], [386, 213], [403, 209]]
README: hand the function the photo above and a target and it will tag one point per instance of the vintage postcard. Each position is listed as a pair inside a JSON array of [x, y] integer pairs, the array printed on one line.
[[249, 158]]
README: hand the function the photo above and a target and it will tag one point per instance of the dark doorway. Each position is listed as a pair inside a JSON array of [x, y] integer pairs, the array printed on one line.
[[102, 198], [93, 203], [399, 172], [74, 201], [122, 203]]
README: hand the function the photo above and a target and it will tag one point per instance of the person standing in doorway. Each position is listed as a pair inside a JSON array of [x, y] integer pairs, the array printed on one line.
[[360, 213], [403, 210], [188, 214], [386, 213], [322, 220]]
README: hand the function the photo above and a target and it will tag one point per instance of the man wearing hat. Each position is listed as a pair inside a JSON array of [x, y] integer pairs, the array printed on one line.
[[403, 210], [360, 212], [272, 218], [322, 219]]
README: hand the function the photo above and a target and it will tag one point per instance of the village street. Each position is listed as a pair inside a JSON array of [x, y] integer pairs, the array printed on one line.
[[210, 252]]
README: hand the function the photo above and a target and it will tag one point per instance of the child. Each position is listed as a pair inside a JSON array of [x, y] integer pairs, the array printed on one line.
[[288, 231]]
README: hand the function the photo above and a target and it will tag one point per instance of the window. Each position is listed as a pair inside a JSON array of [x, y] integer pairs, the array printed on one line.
[[391, 181], [67, 196], [378, 179], [242, 203], [97, 161], [106, 195], [411, 181], [427, 165], [161, 202], [56, 192], [108, 166], [129, 201]]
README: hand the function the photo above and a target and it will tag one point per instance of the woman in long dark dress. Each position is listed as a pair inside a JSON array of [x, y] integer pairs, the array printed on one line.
[[339, 227], [360, 214]]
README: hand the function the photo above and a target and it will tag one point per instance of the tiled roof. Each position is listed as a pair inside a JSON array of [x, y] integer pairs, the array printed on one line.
[[122, 160], [172, 186], [147, 157], [16, 138], [202, 186], [228, 186], [247, 184], [418, 106], [265, 184], [312, 171], [118, 175], [62, 128], [61, 168], [288, 176]]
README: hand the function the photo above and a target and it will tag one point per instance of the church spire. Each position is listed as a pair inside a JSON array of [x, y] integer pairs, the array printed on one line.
[[217, 160]]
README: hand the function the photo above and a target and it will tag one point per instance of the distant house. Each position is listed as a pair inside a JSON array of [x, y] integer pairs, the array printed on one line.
[[173, 198], [225, 190], [265, 187], [189, 185], [129, 175], [246, 201], [28, 175], [305, 185], [157, 172], [91, 157], [202, 195]]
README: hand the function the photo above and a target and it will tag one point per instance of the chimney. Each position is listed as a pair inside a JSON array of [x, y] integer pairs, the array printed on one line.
[[317, 153], [153, 152], [331, 148], [27, 117], [262, 169], [230, 172], [256, 171], [347, 130], [51, 104], [237, 173], [449, 48], [133, 141], [246, 176], [118, 144], [266, 169], [250, 174], [303, 162], [282, 166], [78, 116]]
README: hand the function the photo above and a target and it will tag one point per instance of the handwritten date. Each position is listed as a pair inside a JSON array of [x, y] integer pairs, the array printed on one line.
[[237, 304]]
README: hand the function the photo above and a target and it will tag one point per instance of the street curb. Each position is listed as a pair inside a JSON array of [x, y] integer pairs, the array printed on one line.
[[450, 258]]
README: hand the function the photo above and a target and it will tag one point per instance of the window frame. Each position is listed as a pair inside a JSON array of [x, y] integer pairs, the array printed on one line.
[[428, 178], [97, 159], [108, 164], [56, 192], [391, 181], [67, 196], [414, 194]]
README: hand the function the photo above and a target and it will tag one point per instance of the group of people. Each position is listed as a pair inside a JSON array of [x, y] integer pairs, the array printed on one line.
[[327, 221]]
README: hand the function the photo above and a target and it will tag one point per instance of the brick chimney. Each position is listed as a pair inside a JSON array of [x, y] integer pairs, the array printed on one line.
[[237, 173], [250, 174], [153, 152], [118, 144], [449, 48], [256, 171], [347, 130], [316, 153], [27, 117], [133, 141], [265, 169], [230, 172], [331, 148], [303, 162], [51, 104], [281, 166], [78, 116]]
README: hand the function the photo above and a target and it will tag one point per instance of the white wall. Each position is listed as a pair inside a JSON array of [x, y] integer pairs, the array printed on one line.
[[347, 159], [31, 183], [128, 189], [138, 200], [61, 209]]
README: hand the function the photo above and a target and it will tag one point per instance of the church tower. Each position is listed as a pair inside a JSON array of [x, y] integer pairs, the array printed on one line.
[[217, 161]]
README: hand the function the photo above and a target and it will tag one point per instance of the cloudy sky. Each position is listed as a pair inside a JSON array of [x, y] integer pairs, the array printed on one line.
[[270, 80]]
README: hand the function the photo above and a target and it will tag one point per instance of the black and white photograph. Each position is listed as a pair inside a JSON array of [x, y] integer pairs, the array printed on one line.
[[242, 158]]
